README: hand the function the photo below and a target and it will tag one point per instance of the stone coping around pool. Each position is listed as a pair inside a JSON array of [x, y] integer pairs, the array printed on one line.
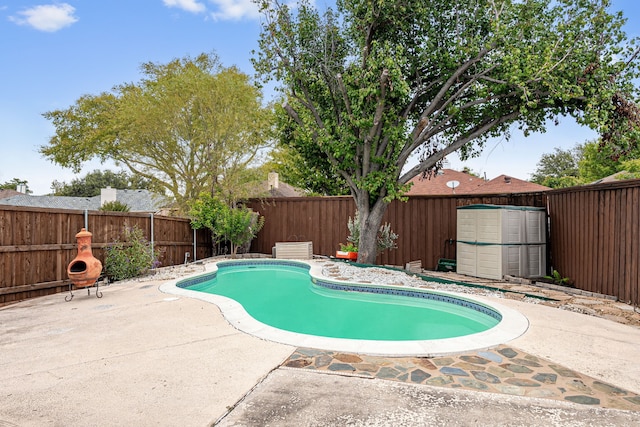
[[512, 325]]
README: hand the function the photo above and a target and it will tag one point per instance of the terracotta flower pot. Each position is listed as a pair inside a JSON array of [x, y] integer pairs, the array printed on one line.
[[85, 269], [347, 255]]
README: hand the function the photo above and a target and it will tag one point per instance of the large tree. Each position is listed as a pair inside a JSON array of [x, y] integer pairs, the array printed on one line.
[[375, 82], [188, 126]]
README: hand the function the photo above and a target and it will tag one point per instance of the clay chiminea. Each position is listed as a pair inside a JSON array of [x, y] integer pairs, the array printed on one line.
[[85, 269]]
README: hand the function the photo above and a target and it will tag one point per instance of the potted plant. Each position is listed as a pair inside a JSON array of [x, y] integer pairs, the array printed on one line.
[[348, 251]]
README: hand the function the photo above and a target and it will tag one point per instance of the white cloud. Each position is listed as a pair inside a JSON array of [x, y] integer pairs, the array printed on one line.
[[235, 9], [188, 5], [47, 17]]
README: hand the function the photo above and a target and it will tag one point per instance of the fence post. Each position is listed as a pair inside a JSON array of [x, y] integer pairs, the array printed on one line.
[[151, 237], [195, 246]]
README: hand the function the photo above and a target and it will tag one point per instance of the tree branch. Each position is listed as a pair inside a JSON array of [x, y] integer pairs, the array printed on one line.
[[477, 131]]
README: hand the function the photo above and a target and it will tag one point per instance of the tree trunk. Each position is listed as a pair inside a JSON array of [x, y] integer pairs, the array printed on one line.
[[370, 220]]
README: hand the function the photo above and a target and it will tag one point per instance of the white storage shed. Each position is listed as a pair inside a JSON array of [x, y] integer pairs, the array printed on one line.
[[494, 241]]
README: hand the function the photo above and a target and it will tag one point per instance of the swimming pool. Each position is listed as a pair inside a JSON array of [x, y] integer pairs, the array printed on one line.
[[292, 303]]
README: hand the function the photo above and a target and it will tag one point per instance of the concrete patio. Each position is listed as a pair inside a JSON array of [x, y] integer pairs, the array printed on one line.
[[141, 357]]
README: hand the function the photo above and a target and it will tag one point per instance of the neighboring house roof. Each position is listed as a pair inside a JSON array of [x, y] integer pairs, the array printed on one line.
[[469, 184], [508, 184], [273, 187], [8, 193], [618, 176], [283, 190], [137, 200], [437, 184]]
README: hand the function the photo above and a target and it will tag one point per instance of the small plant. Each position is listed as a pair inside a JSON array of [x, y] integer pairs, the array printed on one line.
[[350, 247], [131, 257], [557, 278], [386, 238]]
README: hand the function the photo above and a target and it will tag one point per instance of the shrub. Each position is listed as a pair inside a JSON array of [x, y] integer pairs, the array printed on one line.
[[131, 257], [114, 206]]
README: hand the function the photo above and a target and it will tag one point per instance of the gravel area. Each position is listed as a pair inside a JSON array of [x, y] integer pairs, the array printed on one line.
[[386, 276]]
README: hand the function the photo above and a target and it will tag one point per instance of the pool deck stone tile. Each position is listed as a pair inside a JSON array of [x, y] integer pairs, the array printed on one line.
[[504, 369]]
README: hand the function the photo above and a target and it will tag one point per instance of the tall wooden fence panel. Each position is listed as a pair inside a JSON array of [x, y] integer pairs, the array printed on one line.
[[36, 245], [595, 237], [426, 225], [321, 220]]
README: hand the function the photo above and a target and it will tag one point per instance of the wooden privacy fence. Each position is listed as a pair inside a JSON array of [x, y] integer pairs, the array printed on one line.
[[426, 225], [36, 245], [595, 237]]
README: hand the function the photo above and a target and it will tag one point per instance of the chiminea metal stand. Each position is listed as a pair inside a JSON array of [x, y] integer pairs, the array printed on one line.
[[96, 284], [85, 270]]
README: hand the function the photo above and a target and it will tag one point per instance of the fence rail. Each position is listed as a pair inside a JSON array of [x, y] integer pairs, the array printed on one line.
[[36, 245], [593, 235]]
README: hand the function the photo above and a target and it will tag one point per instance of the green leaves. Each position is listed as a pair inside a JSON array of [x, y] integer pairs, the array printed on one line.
[[184, 125], [130, 257], [377, 83]]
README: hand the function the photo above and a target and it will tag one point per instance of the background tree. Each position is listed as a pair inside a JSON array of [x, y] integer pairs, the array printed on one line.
[[373, 83], [599, 161], [188, 126], [14, 184], [91, 184], [583, 164], [559, 169]]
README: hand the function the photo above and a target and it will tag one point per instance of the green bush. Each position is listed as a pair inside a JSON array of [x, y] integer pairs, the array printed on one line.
[[114, 206], [131, 257]]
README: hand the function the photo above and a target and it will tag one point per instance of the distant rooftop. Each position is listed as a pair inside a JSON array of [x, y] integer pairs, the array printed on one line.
[[508, 184], [136, 200], [464, 183], [449, 181]]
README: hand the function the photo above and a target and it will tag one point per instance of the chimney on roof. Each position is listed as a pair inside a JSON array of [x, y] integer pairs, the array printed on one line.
[[107, 195], [273, 181], [21, 188], [507, 180]]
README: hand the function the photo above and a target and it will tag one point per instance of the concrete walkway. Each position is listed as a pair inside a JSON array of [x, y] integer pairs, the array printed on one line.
[[135, 357], [141, 357]]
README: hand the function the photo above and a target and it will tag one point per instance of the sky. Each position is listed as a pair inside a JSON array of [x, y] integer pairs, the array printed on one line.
[[54, 52]]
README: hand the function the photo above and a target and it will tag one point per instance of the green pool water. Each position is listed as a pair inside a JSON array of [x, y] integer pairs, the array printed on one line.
[[286, 298]]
